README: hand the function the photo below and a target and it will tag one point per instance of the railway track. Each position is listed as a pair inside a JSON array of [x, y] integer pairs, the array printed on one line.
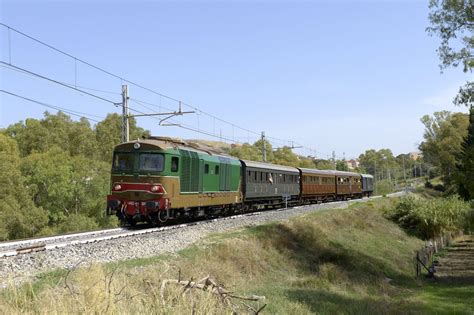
[[15, 248], [49, 243]]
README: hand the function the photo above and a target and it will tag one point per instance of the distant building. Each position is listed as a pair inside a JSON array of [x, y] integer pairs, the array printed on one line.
[[415, 155], [352, 164]]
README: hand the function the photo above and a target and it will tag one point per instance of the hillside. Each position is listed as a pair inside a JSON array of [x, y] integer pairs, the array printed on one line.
[[336, 261]]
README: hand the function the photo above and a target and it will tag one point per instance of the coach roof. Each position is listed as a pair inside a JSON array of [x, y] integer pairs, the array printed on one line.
[[269, 166], [327, 172]]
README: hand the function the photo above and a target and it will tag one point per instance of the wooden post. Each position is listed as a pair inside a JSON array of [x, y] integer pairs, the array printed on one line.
[[417, 264]]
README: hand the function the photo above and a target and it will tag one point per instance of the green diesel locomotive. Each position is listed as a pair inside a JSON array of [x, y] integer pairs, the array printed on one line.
[[158, 179]]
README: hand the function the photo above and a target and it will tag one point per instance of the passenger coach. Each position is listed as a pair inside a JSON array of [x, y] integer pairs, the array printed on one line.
[[268, 185]]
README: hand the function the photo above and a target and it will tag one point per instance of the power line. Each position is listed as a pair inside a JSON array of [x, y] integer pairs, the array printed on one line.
[[58, 82], [9, 67], [65, 110], [180, 124], [132, 83]]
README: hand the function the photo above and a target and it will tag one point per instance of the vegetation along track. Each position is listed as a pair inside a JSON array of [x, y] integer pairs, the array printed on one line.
[[133, 244]]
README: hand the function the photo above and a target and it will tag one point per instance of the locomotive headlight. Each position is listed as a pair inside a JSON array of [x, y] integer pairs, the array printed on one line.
[[154, 188], [117, 187], [136, 145]]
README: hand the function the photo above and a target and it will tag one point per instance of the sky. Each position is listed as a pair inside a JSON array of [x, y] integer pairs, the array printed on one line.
[[343, 76]]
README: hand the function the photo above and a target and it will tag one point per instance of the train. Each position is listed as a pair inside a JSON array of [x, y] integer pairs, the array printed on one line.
[[159, 180]]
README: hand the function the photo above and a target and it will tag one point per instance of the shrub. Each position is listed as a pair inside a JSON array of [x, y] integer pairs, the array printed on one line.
[[77, 223], [428, 218]]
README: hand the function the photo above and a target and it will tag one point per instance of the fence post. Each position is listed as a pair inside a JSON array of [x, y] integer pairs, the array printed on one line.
[[417, 264]]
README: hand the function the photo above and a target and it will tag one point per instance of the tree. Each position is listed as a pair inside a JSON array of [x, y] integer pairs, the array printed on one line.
[[108, 134], [285, 156], [379, 163], [465, 176], [57, 130], [268, 149], [453, 21], [19, 217], [341, 165], [443, 137], [66, 185], [321, 164], [246, 152]]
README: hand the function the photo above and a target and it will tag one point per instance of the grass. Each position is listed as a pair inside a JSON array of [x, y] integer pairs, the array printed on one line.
[[337, 261]]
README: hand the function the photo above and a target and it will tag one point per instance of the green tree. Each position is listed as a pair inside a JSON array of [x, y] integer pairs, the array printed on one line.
[[268, 148], [465, 176], [57, 130], [246, 152], [108, 134], [321, 164], [341, 165], [443, 137], [285, 156], [306, 162], [379, 163], [453, 22], [66, 185], [19, 217]]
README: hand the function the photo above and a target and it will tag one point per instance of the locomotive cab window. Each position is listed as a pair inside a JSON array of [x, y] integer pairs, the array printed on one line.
[[217, 170], [152, 162], [123, 162], [206, 168], [174, 164]]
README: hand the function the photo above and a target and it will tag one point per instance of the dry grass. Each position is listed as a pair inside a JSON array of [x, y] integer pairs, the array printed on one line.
[[336, 261]]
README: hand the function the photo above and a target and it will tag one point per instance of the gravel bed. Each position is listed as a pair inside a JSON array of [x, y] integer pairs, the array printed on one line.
[[24, 267], [13, 245]]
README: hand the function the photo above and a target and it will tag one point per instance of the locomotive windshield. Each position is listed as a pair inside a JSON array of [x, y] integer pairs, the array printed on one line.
[[123, 162], [151, 162]]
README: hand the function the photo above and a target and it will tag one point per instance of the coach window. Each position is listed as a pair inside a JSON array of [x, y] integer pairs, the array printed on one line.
[[255, 176], [206, 168], [217, 170]]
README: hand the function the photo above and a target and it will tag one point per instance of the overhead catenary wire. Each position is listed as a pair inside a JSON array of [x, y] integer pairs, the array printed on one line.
[[122, 79], [62, 109], [60, 83], [12, 68]]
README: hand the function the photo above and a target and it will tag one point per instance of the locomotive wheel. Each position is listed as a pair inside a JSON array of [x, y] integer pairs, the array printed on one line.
[[163, 216]]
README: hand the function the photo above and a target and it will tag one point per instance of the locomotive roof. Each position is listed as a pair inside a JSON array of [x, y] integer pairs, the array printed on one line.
[[327, 172], [270, 166], [367, 175], [165, 143]]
